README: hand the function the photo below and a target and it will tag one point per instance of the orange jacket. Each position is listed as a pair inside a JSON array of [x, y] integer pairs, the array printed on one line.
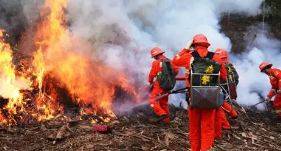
[[157, 67], [275, 81], [183, 59]]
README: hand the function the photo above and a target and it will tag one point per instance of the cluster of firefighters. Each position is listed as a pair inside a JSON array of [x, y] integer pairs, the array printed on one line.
[[205, 125]]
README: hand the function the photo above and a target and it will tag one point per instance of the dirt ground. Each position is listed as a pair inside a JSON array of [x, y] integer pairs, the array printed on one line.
[[251, 131]]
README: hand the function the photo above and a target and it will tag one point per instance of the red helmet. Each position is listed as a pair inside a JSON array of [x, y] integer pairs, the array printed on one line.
[[222, 53], [264, 65], [156, 51], [201, 39]]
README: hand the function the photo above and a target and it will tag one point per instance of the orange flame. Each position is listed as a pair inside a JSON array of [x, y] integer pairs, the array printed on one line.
[[10, 85], [91, 81], [59, 54]]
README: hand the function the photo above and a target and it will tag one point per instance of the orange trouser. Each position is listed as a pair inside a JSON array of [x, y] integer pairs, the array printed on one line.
[[224, 122], [277, 103], [218, 123], [221, 120], [160, 106], [201, 128]]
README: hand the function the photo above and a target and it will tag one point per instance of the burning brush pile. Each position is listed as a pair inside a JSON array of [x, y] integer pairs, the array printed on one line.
[[57, 78]]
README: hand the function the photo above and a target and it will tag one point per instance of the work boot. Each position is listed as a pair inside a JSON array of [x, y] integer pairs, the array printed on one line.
[[162, 117]]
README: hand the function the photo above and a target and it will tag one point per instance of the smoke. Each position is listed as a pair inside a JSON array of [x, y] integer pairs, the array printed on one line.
[[262, 47], [249, 7], [123, 32], [17, 15]]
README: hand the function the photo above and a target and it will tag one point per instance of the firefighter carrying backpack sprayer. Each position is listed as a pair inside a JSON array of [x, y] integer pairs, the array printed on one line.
[[163, 72], [229, 88], [167, 77], [205, 82], [232, 81]]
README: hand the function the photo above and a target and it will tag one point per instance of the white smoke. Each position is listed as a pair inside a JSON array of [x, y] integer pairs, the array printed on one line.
[[248, 7], [123, 32], [30, 9], [254, 83]]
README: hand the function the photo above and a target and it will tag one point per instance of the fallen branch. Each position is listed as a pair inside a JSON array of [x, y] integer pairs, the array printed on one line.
[[138, 136], [61, 133]]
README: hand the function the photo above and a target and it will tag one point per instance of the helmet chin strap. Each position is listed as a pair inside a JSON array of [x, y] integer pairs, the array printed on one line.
[[157, 56], [191, 49]]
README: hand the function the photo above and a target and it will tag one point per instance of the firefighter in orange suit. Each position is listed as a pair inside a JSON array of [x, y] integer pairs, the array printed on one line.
[[221, 120], [275, 81], [160, 106], [201, 121]]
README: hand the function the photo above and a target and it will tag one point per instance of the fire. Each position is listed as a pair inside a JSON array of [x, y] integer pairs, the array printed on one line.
[[10, 84], [66, 74]]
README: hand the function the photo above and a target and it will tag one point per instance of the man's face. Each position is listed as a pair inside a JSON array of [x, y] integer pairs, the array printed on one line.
[[266, 71], [156, 57], [224, 59]]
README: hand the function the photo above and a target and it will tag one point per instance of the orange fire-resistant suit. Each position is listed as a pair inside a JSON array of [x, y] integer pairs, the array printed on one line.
[[221, 121], [201, 121], [160, 107], [275, 80]]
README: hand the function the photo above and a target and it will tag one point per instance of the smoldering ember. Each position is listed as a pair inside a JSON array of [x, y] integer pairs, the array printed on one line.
[[140, 75]]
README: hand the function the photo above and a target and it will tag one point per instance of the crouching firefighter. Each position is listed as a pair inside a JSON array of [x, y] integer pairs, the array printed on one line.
[[197, 59], [229, 89], [164, 71], [275, 80]]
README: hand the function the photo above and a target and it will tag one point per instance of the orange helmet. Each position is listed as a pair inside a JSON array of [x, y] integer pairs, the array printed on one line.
[[201, 40], [264, 65], [222, 53], [156, 51]]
